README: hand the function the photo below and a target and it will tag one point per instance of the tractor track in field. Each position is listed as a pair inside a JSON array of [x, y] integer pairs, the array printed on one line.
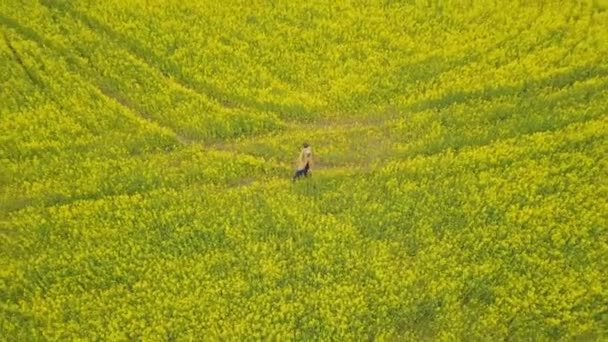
[[76, 67], [167, 68], [140, 113], [141, 54], [32, 76], [272, 182]]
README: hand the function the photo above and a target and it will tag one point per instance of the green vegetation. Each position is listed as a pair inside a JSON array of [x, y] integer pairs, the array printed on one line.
[[146, 151]]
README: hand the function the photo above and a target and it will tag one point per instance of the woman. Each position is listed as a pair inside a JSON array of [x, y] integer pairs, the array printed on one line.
[[304, 162]]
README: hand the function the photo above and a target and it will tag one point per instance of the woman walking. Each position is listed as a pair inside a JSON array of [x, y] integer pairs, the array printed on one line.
[[304, 162]]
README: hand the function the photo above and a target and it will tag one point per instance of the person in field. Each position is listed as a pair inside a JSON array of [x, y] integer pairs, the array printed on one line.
[[304, 162]]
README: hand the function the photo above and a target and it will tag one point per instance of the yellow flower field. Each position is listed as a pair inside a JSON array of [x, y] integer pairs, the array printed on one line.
[[459, 191]]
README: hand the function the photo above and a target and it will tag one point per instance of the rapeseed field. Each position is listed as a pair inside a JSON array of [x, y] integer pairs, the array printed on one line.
[[459, 190]]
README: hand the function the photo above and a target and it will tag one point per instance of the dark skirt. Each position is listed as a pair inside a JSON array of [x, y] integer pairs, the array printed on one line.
[[302, 172]]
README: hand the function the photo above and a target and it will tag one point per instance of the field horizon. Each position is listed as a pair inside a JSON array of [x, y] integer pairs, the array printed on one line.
[[459, 190]]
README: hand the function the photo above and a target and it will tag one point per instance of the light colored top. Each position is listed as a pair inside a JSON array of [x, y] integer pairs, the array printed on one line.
[[305, 157]]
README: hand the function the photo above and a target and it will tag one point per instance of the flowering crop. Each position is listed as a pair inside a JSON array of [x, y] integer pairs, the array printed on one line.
[[459, 193]]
